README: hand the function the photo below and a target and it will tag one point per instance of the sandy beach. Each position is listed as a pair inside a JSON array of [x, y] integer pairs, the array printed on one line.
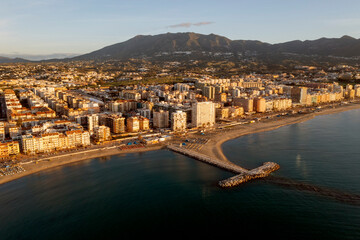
[[212, 148], [60, 160]]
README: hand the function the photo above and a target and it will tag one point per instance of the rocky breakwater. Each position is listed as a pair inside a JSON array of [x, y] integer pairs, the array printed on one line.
[[259, 172], [244, 175]]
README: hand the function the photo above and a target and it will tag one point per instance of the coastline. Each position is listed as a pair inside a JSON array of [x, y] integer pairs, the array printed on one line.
[[212, 148], [65, 159]]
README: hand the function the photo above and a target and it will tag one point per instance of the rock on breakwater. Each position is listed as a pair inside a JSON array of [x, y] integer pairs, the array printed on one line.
[[259, 172]]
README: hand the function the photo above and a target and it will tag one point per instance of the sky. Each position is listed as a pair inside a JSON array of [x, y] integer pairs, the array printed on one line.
[[81, 26]]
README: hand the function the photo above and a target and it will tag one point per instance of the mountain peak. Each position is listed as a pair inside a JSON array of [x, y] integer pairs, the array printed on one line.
[[172, 45], [348, 37]]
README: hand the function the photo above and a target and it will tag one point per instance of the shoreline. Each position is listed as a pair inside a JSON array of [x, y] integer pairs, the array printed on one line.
[[212, 148], [62, 160]]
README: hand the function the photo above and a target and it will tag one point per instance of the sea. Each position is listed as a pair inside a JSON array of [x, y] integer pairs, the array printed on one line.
[[314, 195]]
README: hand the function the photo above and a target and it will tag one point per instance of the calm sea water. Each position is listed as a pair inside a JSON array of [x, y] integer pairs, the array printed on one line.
[[165, 194]]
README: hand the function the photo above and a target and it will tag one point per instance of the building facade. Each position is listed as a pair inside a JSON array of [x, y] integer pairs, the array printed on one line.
[[102, 134], [132, 124], [203, 114], [161, 119], [178, 121]]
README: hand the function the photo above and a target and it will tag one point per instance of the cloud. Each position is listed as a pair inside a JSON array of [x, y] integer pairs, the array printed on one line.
[[202, 23], [188, 24]]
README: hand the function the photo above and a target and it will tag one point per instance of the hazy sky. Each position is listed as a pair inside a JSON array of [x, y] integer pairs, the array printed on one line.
[[81, 26]]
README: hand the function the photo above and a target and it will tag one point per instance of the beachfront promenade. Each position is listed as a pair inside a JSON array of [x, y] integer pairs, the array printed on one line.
[[244, 175]]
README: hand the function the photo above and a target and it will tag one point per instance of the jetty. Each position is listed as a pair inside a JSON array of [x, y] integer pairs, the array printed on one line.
[[243, 175]]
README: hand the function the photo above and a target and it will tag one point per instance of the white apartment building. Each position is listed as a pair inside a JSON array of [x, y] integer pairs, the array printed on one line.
[[178, 121], [54, 141], [203, 114]]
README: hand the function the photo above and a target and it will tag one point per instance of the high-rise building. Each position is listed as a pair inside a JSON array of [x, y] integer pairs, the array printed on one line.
[[132, 124], [116, 123], [143, 123], [161, 119], [102, 133], [182, 87], [122, 106], [260, 104], [299, 95], [88, 121], [144, 112], [209, 92], [246, 103], [92, 122], [178, 121], [203, 114]]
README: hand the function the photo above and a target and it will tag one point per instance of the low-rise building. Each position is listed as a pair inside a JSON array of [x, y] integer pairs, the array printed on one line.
[[9, 148], [222, 113]]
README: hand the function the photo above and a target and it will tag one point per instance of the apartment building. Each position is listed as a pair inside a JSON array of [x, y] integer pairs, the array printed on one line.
[[9, 148], [178, 121], [161, 119], [102, 133], [203, 114], [2, 131], [132, 124], [116, 123], [78, 138], [299, 94], [244, 102], [144, 123], [259, 104], [222, 113]]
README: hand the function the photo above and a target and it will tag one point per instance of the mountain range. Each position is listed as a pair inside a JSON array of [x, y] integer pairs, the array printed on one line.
[[39, 57], [194, 45], [12, 60]]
